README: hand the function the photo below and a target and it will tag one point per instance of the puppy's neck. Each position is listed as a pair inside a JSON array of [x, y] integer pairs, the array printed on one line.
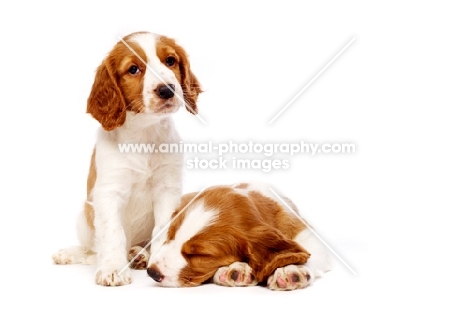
[[140, 121], [144, 128]]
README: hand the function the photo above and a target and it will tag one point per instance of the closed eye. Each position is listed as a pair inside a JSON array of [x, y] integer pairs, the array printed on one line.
[[192, 258]]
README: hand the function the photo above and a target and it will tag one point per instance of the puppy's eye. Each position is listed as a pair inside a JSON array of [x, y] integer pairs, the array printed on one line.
[[170, 61], [134, 70]]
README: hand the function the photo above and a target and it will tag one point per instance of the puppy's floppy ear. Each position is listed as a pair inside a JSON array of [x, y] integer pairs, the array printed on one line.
[[268, 249], [190, 85], [106, 102]]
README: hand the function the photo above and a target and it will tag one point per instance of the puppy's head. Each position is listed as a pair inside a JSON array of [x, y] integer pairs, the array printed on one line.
[[143, 73]]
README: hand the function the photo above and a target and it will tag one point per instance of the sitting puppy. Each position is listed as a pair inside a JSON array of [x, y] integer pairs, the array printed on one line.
[[238, 236], [131, 195]]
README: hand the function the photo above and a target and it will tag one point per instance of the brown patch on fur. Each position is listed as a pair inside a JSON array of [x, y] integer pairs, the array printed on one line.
[[253, 229], [190, 86], [115, 90], [89, 215], [273, 213], [242, 186], [92, 175]]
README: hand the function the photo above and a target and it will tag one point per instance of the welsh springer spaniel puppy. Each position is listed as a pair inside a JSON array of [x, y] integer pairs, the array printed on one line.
[[238, 236], [131, 196]]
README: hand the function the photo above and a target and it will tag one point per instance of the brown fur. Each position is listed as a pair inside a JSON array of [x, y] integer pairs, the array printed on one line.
[[189, 82], [251, 228], [106, 102], [242, 186]]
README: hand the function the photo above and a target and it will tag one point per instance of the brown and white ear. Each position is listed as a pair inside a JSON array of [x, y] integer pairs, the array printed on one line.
[[268, 249], [106, 102], [190, 85]]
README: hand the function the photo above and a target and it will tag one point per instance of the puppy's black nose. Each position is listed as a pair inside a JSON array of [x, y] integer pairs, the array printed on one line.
[[155, 274], [165, 91]]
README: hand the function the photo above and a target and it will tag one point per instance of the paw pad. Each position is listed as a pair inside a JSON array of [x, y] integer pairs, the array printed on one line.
[[236, 274], [289, 278]]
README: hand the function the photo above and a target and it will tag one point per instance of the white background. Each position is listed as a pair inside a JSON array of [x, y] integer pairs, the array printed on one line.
[[395, 210]]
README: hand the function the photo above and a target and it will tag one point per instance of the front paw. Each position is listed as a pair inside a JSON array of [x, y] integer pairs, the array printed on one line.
[[138, 258], [236, 274], [74, 255], [113, 277], [66, 256], [289, 278]]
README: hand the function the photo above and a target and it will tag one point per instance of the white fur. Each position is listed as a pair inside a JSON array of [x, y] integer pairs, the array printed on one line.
[[169, 259], [135, 194]]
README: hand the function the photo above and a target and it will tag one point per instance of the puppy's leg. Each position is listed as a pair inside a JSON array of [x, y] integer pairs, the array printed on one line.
[[295, 277], [83, 254], [289, 278], [236, 274], [109, 199], [164, 207], [165, 202]]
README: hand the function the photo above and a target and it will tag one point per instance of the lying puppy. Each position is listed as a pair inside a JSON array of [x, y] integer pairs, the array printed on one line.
[[238, 236]]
